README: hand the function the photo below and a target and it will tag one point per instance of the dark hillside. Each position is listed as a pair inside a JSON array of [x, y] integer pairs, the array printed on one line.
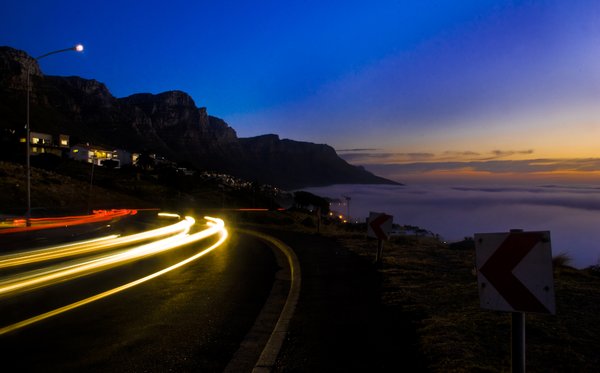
[[169, 124]]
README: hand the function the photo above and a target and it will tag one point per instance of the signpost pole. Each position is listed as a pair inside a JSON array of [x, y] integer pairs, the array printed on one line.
[[379, 225], [319, 220], [518, 342], [379, 252]]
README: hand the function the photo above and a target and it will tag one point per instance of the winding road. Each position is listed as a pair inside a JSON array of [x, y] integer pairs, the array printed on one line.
[[139, 294]]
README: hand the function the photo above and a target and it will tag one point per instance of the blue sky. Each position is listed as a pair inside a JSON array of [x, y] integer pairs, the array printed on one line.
[[387, 83]]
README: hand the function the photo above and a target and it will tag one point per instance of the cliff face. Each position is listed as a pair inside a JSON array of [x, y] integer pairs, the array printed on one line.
[[290, 163], [173, 119], [13, 68], [168, 123]]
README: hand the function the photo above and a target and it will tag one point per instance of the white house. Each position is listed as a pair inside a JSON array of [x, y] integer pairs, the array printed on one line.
[[99, 156]]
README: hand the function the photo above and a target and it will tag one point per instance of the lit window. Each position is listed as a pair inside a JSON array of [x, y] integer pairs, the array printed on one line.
[[35, 140], [64, 142]]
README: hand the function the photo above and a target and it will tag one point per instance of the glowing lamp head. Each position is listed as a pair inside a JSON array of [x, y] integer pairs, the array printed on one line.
[[78, 48]]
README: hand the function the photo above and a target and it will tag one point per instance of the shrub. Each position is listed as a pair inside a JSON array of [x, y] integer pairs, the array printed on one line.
[[562, 260], [308, 222]]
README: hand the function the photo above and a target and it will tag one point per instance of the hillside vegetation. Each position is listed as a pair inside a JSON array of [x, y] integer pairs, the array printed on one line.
[[60, 185], [434, 285]]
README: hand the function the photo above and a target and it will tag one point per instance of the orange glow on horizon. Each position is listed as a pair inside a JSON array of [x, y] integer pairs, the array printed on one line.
[[467, 174]]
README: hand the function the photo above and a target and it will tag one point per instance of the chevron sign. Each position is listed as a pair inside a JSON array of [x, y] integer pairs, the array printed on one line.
[[514, 271], [380, 225]]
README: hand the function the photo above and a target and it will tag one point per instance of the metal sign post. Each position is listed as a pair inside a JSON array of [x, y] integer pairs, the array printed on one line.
[[517, 346], [514, 274], [379, 227], [379, 253]]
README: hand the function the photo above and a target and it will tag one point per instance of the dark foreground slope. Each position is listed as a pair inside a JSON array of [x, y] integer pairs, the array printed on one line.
[[420, 310]]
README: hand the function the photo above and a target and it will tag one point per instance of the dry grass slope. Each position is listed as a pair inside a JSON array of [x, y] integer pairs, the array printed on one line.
[[437, 284]]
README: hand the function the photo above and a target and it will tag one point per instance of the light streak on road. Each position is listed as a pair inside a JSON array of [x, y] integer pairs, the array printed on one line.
[[20, 225], [169, 215], [94, 245], [256, 209], [54, 252], [62, 272], [214, 227]]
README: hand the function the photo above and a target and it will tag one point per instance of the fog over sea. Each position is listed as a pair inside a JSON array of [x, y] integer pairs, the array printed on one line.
[[570, 212]]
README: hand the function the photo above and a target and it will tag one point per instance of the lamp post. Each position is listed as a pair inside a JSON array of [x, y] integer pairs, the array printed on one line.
[[89, 209], [347, 207], [76, 48]]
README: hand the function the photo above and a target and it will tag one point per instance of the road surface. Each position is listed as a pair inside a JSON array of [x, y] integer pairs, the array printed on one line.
[[190, 319]]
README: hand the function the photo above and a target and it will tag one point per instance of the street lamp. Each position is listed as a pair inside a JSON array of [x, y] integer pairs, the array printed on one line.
[[347, 206], [76, 48]]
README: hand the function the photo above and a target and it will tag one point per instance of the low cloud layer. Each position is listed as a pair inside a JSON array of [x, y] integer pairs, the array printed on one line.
[[373, 156], [367, 157], [569, 212], [500, 166], [398, 166]]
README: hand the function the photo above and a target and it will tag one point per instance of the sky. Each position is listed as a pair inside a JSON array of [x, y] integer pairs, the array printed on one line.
[[413, 90]]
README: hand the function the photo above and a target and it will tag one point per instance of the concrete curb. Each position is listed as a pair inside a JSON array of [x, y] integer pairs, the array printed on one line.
[[268, 357]]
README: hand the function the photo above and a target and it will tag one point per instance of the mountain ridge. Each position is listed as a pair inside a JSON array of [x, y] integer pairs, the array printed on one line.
[[168, 123]]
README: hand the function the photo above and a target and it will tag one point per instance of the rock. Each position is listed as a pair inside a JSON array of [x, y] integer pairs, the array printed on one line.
[[13, 68]]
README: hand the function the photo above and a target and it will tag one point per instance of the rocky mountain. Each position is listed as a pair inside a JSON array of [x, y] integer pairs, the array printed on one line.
[[168, 123]]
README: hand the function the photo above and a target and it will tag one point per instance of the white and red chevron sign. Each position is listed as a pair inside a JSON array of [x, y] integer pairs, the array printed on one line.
[[514, 271], [380, 225]]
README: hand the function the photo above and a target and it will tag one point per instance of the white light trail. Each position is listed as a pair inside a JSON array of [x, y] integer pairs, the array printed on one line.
[[56, 274], [94, 245]]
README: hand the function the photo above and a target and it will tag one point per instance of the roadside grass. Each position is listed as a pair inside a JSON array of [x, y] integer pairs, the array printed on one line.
[[436, 283], [439, 283]]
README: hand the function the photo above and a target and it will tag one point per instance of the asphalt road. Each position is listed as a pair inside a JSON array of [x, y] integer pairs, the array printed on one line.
[[340, 323], [190, 319]]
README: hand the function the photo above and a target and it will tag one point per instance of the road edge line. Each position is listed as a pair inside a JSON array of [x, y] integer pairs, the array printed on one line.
[[270, 352]]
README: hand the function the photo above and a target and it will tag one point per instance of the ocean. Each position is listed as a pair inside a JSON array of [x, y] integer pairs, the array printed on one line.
[[570, 212]]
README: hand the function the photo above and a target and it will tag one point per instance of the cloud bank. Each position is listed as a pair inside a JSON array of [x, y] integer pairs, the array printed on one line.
[[569, 212], [493, 164]]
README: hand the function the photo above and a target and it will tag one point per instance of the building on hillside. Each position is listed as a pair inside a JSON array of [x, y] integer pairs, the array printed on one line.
[[100, 156], [151, 161], [44, 143]]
